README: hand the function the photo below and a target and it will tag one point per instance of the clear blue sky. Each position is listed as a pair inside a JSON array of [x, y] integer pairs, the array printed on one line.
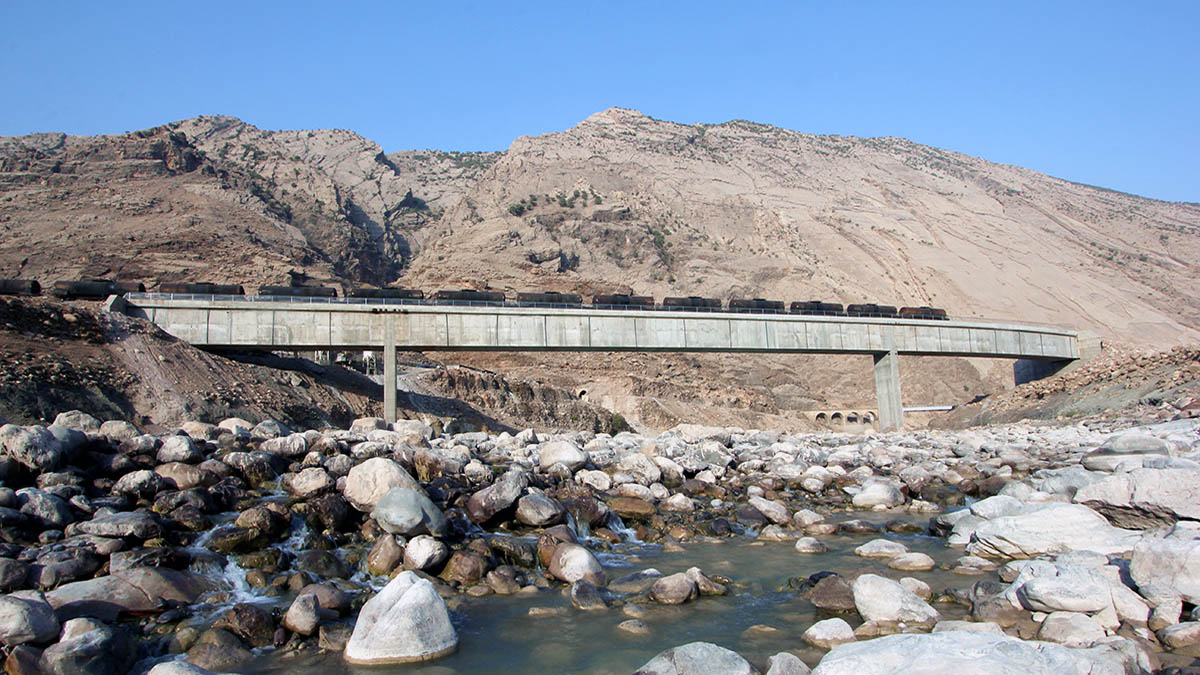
[[1096, 92]]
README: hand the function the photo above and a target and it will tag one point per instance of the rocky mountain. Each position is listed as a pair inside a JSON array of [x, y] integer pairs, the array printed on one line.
[[621, 202]]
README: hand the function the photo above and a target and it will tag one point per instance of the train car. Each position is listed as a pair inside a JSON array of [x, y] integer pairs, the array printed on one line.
[[199, 288], [469, 296], [84, 289], [758, 305], [923, 312], [388, 293], [298, 291], [872, 309], [549, 298], [818, 308], [20, 287], [123, 287], [622, 301], [691, 303]]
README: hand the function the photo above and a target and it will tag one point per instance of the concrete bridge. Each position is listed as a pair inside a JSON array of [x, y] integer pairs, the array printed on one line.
[[310, 324]]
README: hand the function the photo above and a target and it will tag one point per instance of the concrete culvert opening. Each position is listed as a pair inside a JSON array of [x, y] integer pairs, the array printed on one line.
[[851, 418], [583, 394], [868, 417], [822, 417], [836, 418]]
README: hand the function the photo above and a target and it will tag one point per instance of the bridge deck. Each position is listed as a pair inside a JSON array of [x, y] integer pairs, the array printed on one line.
[[302, 325]]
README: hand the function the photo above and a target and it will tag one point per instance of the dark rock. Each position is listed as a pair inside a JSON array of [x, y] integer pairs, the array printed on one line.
[[131, 524], [496, 501], [832, 593], [587, 597], [513, 551], [232, 539], [13, 574], [54, 568], [329, 511], [632, 508], [249, 622], [465, 567], [857, 527], [323, 564]]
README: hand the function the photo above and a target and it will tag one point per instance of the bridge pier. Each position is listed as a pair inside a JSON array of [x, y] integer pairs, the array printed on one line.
[[887, 391], [389, 371]]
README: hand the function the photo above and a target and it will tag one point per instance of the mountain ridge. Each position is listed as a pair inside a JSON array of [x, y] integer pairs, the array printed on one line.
[[619, 202]]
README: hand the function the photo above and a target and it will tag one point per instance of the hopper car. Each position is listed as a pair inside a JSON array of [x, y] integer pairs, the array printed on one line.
[[388, 293], [692, 303], [20, 287], [622, 301], [758, 305], [298, 291], [469, 297], [199, 288], [549, 298], [930, 313], [872, 309]]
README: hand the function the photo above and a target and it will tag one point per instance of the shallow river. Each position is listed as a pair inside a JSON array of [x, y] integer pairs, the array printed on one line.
[[497, 634]]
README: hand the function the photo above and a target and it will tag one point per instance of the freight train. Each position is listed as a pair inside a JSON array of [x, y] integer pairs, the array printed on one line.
[[98, 289]]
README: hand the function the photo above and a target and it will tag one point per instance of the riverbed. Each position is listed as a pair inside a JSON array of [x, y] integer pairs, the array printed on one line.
[[759, 617]]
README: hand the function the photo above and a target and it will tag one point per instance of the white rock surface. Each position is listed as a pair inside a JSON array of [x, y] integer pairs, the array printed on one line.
[[883, 600], [405, 622], [973, 653]]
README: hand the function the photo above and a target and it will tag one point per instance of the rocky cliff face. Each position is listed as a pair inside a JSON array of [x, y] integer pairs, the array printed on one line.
[[621, 202], [742, 209]]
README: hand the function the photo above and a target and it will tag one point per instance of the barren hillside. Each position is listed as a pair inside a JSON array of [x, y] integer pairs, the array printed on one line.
[[622, 202]]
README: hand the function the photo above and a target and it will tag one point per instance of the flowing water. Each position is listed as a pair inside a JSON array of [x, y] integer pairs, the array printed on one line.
[[756, 619]]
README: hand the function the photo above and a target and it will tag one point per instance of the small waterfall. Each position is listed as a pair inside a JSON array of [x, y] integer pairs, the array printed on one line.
[[617, 525], [581, 530]]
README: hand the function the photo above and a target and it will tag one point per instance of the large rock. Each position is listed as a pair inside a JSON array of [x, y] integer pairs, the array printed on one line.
[[497, 498], [139, 590], [408, 512], [25, 616], [561, 452], [1049, 528], [1129, 446], [829, 633], [572, 562], [368, 482], [102, 650], [674, 589], [773, 511], [77, 420], [538, 510], [1167, 568], [696, 658], [885, 601], [1145, 498], [424, 553], [878, 493], [35, 446], [972, 652], [642, 468], [405, 622]]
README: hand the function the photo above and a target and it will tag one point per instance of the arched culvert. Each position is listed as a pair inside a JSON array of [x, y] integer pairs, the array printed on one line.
[[836, 418]]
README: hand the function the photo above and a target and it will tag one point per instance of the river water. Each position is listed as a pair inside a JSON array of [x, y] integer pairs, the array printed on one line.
[[756, 619]]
